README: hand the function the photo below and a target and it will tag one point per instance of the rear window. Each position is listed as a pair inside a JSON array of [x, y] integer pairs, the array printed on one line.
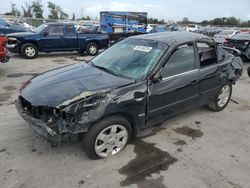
[[207, 54], [70, 29]]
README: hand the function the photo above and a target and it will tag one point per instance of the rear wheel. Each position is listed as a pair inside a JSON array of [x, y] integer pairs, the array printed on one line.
[[29, 51], [92, 48], [107, 137], [222, 98]]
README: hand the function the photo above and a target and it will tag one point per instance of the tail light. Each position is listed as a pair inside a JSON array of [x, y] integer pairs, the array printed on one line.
[[225, 40]]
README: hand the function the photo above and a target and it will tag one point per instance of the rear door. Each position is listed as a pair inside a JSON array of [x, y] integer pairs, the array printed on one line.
[[178, 90], [70, 38], [52, 39], [209, 71]]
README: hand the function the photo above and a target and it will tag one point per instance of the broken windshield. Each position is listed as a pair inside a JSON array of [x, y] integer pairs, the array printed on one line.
[[131, 58]]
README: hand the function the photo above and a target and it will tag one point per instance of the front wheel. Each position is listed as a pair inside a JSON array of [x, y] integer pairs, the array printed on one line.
[[107, 137], [222, 98], [29, 51], [92, 48]]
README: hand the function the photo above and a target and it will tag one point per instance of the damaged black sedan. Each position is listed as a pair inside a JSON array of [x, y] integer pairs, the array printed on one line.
[[137, 83]]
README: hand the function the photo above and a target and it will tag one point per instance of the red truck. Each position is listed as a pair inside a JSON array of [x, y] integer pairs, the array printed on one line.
[[4, 58]]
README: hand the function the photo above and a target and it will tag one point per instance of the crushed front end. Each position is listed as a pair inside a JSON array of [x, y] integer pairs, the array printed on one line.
[[47, 122]]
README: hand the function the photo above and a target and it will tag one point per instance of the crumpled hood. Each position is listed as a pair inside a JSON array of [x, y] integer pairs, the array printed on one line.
[[55, 87]]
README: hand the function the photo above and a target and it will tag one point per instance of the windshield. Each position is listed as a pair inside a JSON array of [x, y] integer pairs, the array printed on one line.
[[131, 58], [41, 28], [226, 32]]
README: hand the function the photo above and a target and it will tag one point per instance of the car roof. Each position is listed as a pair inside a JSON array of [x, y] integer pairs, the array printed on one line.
[[173, 37], [58, 23]]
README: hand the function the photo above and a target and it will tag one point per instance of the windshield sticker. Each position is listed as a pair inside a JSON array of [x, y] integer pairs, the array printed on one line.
[[143, 48]]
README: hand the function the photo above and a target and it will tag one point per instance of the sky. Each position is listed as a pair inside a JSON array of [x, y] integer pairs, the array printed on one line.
[[196, 10]]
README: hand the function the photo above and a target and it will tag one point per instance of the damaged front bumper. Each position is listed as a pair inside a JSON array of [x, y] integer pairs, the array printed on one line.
[[40, 128]]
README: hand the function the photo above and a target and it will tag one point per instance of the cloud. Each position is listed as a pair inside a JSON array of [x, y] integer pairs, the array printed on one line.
[[93, 10], [148, 5], [184, 1], [117, 6], [248, 16]]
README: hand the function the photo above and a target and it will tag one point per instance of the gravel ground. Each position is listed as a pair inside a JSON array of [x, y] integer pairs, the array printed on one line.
[[197, 149]]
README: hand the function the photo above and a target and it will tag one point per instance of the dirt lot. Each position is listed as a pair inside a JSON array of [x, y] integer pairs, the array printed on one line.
[[197, 149]]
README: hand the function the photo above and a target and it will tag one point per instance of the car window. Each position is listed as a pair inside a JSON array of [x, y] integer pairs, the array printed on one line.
[[2, 23], [207, 54], [181, 60], [69, 29], [55, 30]]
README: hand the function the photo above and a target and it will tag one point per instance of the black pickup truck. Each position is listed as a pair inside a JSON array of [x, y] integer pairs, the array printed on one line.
[[55, 37]]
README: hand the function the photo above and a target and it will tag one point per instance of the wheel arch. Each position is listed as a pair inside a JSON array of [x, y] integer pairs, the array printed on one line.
[[129, 117], [29, 42], [93, 41]]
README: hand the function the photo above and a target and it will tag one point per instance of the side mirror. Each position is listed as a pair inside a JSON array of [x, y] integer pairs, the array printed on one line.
[[45, 34], [7, 25], [156, 78]]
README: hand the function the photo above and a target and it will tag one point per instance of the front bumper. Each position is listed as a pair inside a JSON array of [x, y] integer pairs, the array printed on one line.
[[13, 48], [40, 128]]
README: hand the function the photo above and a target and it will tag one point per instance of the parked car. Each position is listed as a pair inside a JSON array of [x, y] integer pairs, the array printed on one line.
[[211, 31], [7, 27], [55, 37], [192, 28], [240, 41], [221, 36], [135, 84]]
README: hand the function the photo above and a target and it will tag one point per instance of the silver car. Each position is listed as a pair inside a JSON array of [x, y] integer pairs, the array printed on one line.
[[221, 36]]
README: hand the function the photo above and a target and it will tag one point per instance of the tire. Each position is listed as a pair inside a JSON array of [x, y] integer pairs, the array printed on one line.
[[92, 48], [100, 135], [29, 51], [221, 100]]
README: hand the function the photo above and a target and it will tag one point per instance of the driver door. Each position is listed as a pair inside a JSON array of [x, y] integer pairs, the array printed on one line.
[[52, 39], [178, 89]]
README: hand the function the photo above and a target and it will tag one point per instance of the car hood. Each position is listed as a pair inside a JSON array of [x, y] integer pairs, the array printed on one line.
[[21, 34], [60, 87]]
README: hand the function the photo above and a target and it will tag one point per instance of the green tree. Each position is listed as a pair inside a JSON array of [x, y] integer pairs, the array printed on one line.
[[14, 11], [218, 21], [27, 10], [232, 21], [56, 11], [37, 9], [63, 15]]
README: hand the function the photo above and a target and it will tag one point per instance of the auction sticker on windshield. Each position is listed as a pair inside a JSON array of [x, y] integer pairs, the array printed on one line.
[[143, 48]]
